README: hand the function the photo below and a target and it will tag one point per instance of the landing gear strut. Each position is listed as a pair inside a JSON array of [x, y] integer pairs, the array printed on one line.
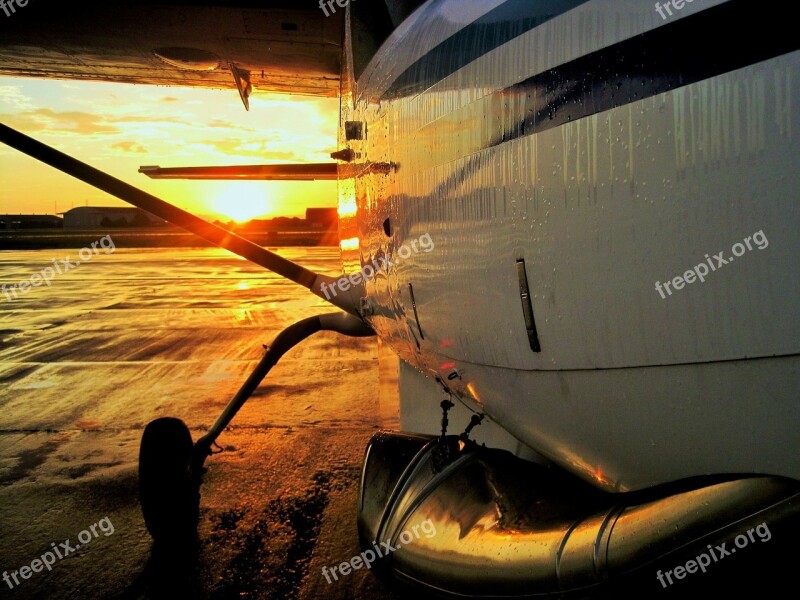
[[171, 466]]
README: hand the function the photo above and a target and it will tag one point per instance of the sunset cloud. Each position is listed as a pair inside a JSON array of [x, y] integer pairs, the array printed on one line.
[[45, 119], [130, 147]]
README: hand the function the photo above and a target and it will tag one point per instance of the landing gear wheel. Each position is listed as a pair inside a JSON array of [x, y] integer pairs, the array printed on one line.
[[169, 491]]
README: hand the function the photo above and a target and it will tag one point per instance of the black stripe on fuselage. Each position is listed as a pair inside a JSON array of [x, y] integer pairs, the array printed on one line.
[[500, 25], [661, 60]]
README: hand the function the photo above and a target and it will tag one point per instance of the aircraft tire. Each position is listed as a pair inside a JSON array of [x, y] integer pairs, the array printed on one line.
[[168, 490]]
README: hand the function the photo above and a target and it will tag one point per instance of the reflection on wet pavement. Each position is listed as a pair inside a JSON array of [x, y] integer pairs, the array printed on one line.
[[86, 363]]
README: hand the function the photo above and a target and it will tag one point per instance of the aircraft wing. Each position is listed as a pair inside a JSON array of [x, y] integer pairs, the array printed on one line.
[[272, 45]]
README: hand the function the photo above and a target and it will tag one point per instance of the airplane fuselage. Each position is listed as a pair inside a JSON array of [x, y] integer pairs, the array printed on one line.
[[611, 200]]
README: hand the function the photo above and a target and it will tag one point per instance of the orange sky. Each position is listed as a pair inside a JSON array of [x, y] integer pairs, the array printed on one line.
[[120, 127]]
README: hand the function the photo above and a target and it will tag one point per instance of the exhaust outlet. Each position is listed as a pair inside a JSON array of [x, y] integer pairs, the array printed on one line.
[[505, 527]]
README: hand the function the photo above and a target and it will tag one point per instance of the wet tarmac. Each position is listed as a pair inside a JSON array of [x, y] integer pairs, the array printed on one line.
[[127, 337], [134, 335]]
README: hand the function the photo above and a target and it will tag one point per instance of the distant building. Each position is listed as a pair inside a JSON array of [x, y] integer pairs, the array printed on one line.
[[30, 222], [322, 218], [97, 217]]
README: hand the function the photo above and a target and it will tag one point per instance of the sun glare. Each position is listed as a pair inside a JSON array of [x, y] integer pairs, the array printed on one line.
[[242, 201]]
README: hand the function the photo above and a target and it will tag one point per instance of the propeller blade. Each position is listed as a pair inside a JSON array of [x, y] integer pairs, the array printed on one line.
[[305, 172], [347, 301]]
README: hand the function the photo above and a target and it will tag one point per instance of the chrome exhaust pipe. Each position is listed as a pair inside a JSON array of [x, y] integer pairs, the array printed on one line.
[[466, 521]]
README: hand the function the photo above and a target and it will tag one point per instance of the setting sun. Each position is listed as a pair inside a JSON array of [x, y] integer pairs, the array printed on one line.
[[242, 201]]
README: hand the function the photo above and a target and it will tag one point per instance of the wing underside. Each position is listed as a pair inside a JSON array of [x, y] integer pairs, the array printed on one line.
[[268, 46]]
